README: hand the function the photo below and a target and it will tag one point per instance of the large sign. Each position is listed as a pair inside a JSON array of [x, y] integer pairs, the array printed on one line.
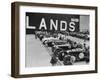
[[52, 22]]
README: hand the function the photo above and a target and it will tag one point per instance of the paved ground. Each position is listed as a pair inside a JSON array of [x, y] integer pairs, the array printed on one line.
[[37, 55]]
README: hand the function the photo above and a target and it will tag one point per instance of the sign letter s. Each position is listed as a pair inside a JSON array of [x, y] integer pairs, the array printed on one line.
[[72, 26]]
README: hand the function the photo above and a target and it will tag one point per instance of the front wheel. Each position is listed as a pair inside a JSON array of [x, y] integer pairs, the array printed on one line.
[[57, 51]]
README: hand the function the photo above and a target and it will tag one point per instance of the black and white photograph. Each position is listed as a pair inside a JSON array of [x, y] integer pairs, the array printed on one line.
[[57, 39]]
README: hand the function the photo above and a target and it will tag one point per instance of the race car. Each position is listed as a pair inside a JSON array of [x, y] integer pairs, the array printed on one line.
[[47, 40], [56, 49], [64, 45], [67, 51], [71, 56]]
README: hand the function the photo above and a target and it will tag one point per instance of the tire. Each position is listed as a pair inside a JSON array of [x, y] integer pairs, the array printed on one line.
[[69, 60], [56, 52], [44, 42], [61, 55], [73, 59]]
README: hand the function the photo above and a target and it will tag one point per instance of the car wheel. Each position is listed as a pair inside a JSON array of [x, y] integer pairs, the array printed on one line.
[[67, 60], [73, 59], [57, 51], [61, 55]]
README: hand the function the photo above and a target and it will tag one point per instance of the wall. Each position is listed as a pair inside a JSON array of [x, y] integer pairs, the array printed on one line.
[[5, 40], [84, 23]]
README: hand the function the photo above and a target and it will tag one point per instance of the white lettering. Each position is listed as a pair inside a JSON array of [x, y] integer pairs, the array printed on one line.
[[43, 24], [63, 28], [52, 24], [72, 26], [27, 23]]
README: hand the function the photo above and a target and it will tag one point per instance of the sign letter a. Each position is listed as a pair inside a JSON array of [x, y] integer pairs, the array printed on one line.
[[43, 24]]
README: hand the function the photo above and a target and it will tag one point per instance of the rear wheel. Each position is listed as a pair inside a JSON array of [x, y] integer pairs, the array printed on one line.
[[69, 60]]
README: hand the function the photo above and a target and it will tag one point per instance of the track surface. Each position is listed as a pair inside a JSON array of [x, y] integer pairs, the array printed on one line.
[[36, 54]]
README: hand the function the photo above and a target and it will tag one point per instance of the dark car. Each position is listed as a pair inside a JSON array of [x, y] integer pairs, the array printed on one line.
[[56, 49], [75, 55]]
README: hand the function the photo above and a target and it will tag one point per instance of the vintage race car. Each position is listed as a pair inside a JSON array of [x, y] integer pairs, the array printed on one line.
[[80, 35], [70, 56], [63, 46], [47, 40]]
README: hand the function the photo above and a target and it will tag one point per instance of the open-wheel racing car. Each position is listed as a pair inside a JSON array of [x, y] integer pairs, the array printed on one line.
[[69, 54]]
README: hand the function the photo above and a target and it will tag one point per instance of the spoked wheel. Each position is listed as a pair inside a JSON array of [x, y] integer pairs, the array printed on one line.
[[69, 60], [57, 51]]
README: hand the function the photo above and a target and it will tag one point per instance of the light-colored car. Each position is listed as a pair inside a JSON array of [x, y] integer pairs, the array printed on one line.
[[48, 39]]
